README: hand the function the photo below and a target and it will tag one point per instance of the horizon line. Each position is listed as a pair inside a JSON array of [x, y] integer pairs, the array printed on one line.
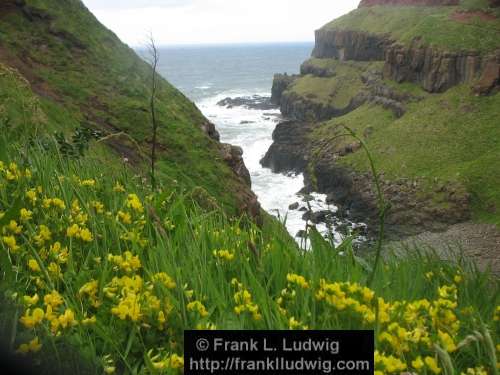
[[215, 44]]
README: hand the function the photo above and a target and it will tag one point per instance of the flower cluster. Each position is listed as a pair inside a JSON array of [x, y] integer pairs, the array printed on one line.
[[243, 300]]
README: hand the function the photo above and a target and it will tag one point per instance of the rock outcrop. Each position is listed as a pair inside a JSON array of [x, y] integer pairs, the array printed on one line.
[[324, 72], [354, 193], [280, 83], [435, 70], [411, 211], [490, 78], [233, 156], [301, 108], [287, 152], [349, 45]]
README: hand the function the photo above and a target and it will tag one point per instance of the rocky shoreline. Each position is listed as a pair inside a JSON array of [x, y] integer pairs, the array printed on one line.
[[412, 211], [417, 205]]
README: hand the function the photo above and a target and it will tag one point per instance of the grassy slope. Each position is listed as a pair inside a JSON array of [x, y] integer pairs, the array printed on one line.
[[452, 137], [284, 288], [432, 24], [105, 84]]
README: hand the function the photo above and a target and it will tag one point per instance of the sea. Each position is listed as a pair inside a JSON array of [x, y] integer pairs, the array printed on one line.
[[209, 74]]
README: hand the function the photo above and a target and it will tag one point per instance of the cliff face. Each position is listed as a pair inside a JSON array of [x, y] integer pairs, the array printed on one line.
[[424, 104], [349, 45], [437, 71], [434, 69]]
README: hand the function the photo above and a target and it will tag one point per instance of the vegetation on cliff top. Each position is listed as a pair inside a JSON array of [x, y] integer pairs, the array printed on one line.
[[336, 89], [443, 27], [82, 74]]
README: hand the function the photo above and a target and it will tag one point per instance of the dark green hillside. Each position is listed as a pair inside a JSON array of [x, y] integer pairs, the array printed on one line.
[[83, 75]]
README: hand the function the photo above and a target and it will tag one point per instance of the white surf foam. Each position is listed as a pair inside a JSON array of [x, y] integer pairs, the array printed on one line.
[[252, 130]]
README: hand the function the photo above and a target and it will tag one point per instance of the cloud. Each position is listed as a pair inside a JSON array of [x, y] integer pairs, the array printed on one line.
[[217, 21], [124, 4]]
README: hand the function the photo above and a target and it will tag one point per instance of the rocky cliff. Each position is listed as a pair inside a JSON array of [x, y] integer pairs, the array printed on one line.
[[424, 104], [436, 70]]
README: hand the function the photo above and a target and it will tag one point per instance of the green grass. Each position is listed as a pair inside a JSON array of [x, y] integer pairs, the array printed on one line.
[[432, 24], [336, 91], [451, 137], [173, 235], [83, 75]]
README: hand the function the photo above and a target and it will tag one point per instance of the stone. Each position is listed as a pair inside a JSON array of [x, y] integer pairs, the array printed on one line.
[[251, 102], [233, 156], [490, 78], [280, 83]]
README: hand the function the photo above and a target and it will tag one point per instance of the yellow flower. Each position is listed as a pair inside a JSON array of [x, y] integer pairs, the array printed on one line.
[[294, 324], [447, 341], [25, 215], [134, 203], [31, 320], [33, 346], [54, 269], [43, 235], [128, 306], [14, 228], [197, 306], [224, 255], [432, 365], [60, 254], [53, 202], [67, 319], [32, 196], [128, 262], [298, 280], [176, 361], [11, 243], [475, 371], [124, 217], [58, 203], [53, 299], [33, 265], [165, 279], [73, 230], [108, 364], [161, 318], [90, 183], [89, 321], [98, 207], [118, 188], [417, 363], [86, 235]]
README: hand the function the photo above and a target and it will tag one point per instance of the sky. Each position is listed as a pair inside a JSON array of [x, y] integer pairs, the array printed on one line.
[[217, 21]]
